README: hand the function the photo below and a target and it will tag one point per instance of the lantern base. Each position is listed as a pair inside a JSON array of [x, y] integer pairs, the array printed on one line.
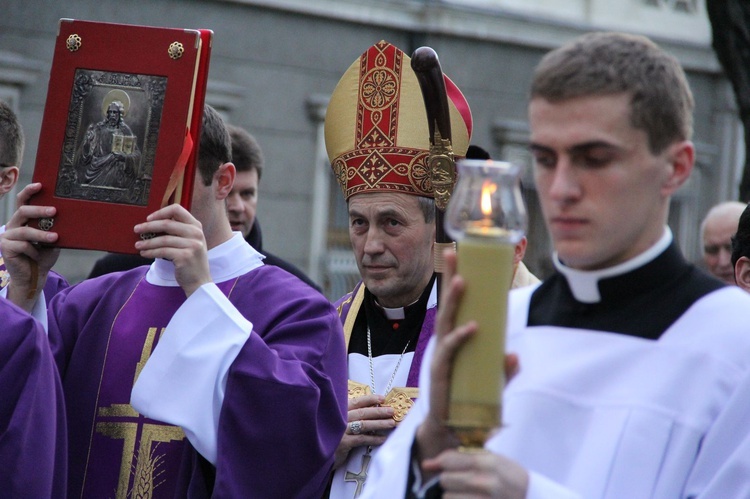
[[473, 423]]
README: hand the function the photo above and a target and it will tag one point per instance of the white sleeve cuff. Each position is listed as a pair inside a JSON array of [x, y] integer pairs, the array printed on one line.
[[184, 380], [39, 312]]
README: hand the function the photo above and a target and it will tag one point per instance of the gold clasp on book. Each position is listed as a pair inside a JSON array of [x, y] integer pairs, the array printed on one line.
[[176, 49], [73, 42]]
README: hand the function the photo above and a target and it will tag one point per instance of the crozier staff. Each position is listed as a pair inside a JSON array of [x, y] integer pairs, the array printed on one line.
[[441, 161]]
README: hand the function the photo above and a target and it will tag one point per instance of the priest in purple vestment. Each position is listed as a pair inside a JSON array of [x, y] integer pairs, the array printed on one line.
[[237, 370], [32, 411], [389, 316]]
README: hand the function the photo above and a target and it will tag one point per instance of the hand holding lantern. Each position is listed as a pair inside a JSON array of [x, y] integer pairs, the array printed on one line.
[[486, 216]]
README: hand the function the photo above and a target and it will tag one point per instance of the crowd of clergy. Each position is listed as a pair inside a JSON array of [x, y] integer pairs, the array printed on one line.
[[208, 372]]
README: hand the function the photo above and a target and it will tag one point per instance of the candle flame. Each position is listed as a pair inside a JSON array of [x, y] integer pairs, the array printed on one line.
[[488, 189]]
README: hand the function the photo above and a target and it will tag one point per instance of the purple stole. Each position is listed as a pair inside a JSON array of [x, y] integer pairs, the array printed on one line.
[[114, 451], [351, 304]]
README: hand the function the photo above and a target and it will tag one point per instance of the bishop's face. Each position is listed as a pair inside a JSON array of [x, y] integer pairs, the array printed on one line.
[[603, 193], [392, 244]]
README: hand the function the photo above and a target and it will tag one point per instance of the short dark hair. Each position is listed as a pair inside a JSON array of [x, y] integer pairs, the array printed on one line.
[[612, 63], [246, 153], [216, 146], [741, 240], [11, 137], [427, 205]]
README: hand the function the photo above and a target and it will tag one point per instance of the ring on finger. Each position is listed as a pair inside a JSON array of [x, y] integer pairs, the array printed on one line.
[[355, 427]]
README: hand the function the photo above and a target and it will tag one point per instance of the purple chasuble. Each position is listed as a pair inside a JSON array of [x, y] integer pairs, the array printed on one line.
[[290, 371], [32, 412], [114, 451]]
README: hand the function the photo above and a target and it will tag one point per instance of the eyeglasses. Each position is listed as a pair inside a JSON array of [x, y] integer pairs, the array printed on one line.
[[3, 165]]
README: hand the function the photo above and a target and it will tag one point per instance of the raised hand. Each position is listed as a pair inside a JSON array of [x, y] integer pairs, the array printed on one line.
[[433, 436], [26, 250], [434, 439], [179, 238]]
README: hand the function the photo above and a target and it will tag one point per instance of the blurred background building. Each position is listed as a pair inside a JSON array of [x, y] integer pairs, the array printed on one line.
[[275, 63]]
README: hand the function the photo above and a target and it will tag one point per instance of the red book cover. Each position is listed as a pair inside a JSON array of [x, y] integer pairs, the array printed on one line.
[[120, 130]]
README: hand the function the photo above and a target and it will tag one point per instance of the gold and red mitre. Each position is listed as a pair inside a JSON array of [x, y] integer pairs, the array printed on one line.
[[376, 129]]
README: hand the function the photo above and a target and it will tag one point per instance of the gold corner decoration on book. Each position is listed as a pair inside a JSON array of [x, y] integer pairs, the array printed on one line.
[[120, 129]]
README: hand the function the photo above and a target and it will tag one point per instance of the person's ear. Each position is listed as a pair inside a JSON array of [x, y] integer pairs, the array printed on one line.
[[225, 176], [8, 179], [742, 273], [520, 250], [681, 158]]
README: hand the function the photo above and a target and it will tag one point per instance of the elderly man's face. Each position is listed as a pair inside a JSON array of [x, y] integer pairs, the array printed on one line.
[[717, 247], [392, 244]]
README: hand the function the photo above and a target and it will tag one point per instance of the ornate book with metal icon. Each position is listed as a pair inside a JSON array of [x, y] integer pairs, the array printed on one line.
[[120, 130]]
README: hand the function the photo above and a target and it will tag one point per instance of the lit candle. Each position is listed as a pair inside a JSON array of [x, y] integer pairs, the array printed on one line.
[[478, 373], [485, 261]]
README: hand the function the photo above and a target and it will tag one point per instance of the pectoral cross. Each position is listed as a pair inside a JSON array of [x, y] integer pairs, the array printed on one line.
[[361, 476]]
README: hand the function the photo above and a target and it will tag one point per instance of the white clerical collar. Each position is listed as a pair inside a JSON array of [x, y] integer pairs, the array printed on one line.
[[392, 314], [399, 313], [584, 284], [228, 260]]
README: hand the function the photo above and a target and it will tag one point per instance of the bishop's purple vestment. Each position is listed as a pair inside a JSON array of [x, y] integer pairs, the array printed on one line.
[[284, 409], [32, 412]]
